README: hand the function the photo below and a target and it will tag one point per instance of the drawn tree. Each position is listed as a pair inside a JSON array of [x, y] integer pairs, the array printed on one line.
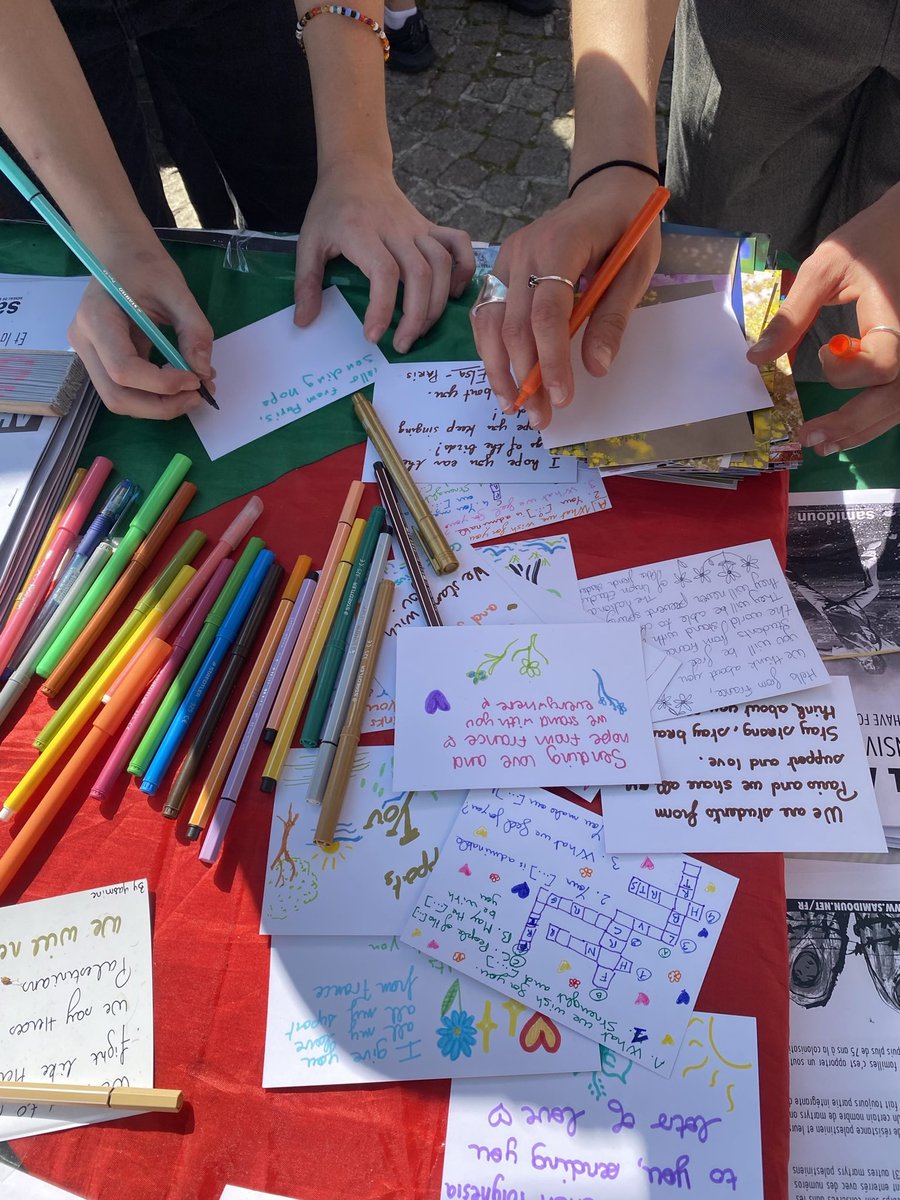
[[284, 855]]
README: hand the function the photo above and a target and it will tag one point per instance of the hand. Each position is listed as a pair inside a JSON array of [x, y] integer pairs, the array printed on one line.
[[365, 217], [115, 351], [572, 240], [859, 262]]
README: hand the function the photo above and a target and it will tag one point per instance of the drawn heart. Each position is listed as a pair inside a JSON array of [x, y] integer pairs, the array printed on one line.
[[499, 1115], [574, 983], [668, 1040], [539, 1031], [465, 869], [564, 966], [417, 933], [511, 607], [647, 864], [710, 887], [433, 945], [458, 956], [703, 933], [481, 832], [642, 998], [436, 700], [522, 890], [683, 998]]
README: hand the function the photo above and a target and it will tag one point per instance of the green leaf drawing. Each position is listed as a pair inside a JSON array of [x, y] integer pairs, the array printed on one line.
[[450, 998]]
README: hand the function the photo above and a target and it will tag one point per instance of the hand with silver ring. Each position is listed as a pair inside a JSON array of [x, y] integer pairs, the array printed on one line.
[[859, 263], [541, 265]]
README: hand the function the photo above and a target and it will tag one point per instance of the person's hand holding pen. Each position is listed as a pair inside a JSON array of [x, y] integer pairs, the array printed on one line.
[[115, 351], [560, 248], [859, 262]]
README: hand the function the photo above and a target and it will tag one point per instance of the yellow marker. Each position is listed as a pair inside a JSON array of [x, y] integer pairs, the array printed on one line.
[[287, 725], [96, 693]]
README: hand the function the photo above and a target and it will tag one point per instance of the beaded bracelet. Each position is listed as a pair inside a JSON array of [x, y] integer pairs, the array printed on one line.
[[616, 162], [341, 11]]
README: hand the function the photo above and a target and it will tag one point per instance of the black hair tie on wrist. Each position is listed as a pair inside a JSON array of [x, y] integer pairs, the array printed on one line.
[[615, 162]]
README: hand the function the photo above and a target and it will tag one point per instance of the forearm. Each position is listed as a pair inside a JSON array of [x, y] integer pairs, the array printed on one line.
[[619, 47], [346, 67], [47, 110]]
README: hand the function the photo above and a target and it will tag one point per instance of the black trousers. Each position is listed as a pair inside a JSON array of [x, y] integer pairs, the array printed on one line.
[[231, 90]]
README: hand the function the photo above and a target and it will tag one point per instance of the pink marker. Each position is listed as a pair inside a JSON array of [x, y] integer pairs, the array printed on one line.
[[63, 540], [150, 700], [221, 819], [228, 542]]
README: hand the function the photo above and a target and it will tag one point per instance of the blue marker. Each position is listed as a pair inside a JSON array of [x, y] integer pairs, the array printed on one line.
[[118, 504], [67, 234], [228, 631]]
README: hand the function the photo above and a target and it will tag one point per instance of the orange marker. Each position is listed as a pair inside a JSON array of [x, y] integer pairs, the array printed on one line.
[[608, 271], [143, 556], [842, 345], [105, 725]]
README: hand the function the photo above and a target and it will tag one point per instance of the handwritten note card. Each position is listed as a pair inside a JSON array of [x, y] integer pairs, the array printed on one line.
[[78, 1004], [479, 593], [728, 615], [444, 421], [479, 512], [784, 774], [272, 372], [616, 1132], [522, 705], [687, 357], [36, 310], [525, 899], [367, 1010], [365, 881]]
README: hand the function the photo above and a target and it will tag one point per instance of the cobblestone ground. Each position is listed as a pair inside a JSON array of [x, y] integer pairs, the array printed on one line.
[[481, 139]]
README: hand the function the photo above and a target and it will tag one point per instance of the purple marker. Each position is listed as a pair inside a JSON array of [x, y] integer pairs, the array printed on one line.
[[218, 826], [150, 700]]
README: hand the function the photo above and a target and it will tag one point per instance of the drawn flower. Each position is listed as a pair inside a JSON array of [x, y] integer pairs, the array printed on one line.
[[479, 674], [748, 562], [701, 574], [530, 668], [529, 665], [456, 1035], [728, 570]]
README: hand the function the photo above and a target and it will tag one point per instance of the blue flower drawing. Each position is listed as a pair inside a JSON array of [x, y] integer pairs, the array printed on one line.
[[456, 1035]]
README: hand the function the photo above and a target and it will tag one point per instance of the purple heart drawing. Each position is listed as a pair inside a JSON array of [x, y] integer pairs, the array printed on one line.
[[465, 869], [436, 700], [683, 998], [703, 933], [522, 890]]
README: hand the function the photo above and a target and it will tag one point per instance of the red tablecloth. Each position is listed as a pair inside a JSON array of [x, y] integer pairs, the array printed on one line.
[[211, 965]]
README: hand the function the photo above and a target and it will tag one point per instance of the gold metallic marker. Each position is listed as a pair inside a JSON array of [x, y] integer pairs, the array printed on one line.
[[99, 1095], [436, 546]]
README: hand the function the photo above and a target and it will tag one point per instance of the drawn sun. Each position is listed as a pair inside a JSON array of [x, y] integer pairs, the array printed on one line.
[[330, 855]]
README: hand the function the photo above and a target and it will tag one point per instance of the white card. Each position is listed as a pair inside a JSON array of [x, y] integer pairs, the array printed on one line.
[[687, 357], [522, 706], [37, 310], [616, 1132], [79, 1004], [525, 900], [546, 563], [231, 1192], [446, 425], [371, 1010], [272, 372], [479, 512], [778, 775], [365, 881], [728, 615], [19, 1185]]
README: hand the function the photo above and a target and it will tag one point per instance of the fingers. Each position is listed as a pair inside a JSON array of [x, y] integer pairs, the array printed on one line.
[[310, 271], [126, 382], [878, 362], [194, 334], [425, 268], [608, 322], [459, 246], [862, 418], [487, 326], [818, 283]]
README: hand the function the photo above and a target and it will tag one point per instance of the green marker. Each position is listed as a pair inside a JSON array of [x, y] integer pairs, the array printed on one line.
[[330, 662], [181, 684], [189, 550], [142, 521]]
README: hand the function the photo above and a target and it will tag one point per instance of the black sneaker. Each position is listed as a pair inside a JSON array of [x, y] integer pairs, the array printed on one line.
[[411, 48]]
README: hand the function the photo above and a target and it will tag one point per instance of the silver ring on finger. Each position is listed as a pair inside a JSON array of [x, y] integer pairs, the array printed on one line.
[[882, 329], [534, 280], [492, 291]]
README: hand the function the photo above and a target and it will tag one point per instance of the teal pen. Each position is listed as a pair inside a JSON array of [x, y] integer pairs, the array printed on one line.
[[333, 651], [67, 234]]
